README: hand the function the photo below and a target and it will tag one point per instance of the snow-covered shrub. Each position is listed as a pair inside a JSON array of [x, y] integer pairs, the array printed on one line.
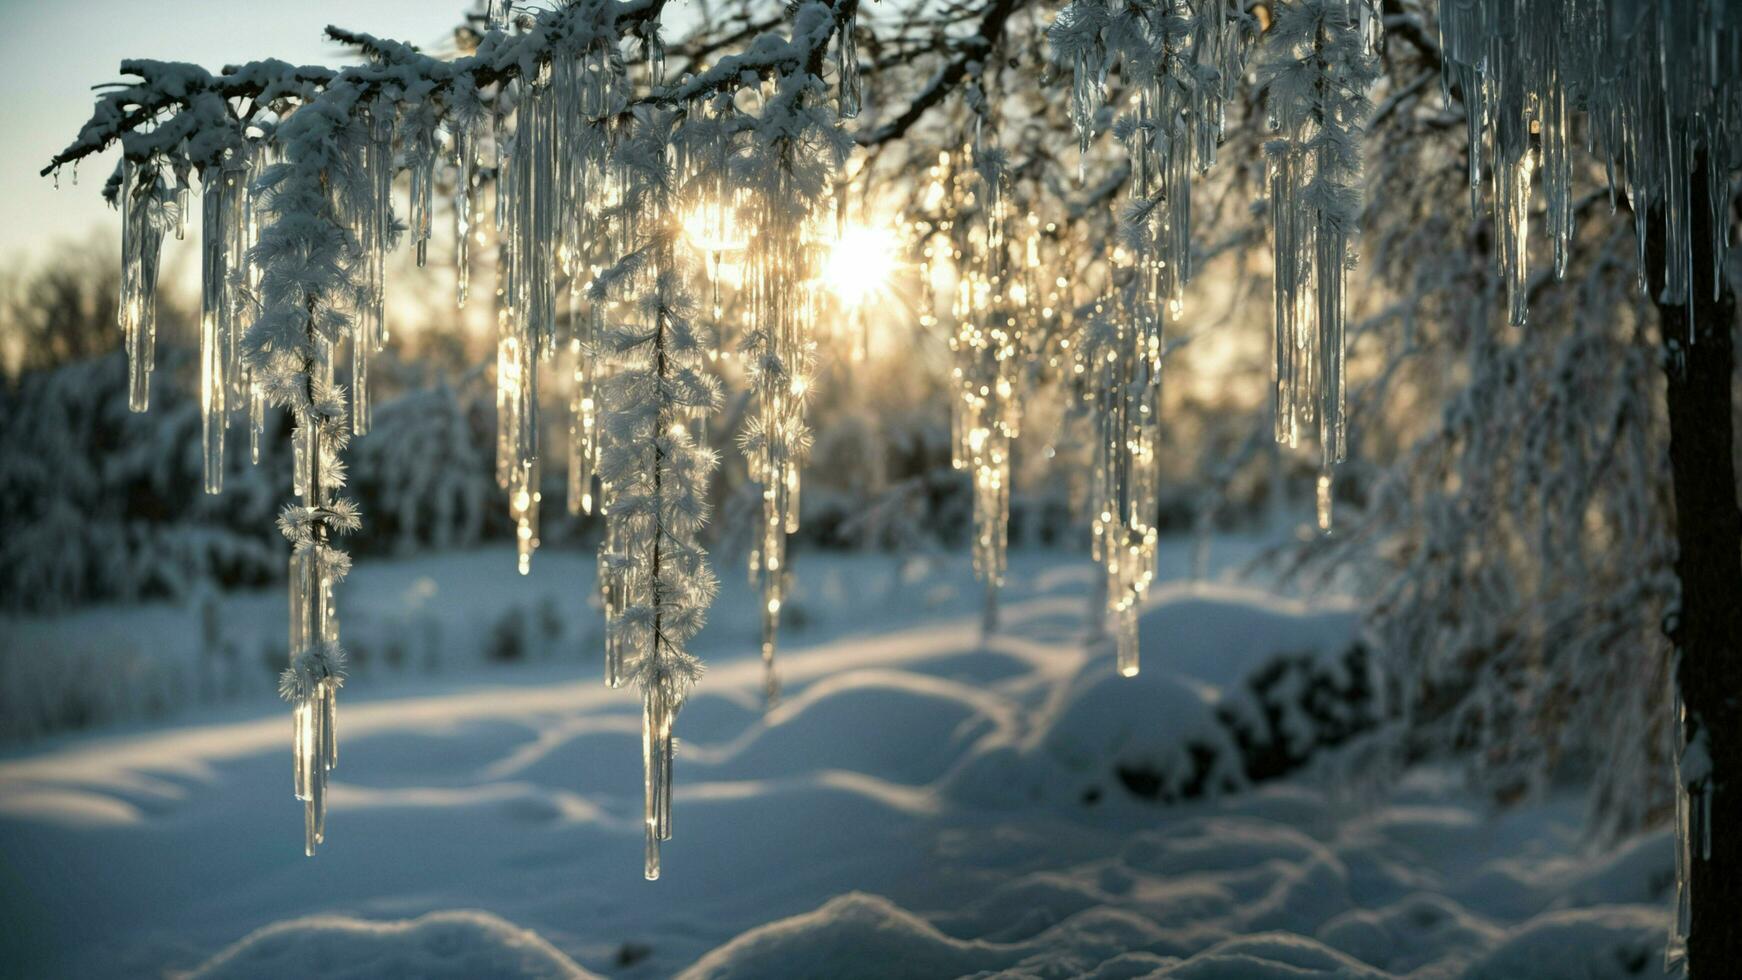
[[83, 684], [426, 479], [94, 501], [525, 633], [1171, 743], [96, 668], [1516, 553], [1153, 736], [1298, 705]]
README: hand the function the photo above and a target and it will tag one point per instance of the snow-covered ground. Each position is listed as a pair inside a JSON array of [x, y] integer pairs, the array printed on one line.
[[921, 803]]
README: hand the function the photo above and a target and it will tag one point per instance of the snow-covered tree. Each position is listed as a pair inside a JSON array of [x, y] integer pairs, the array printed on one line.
[[1536, 536]]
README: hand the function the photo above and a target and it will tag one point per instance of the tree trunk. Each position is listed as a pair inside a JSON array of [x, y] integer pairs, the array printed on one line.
[[1706, 628]]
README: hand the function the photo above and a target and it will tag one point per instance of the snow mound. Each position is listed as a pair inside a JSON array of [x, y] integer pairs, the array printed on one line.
[[460, 944], [1027, 812], [1272, 956], [910, 727], [1220, 634], [1151, 738], [1022, 908], [1414, 932], [857, 935], [1615, 942], [851, 936], [1157, 734], [1219, 844]]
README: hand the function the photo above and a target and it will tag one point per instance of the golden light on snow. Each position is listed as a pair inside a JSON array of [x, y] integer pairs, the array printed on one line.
[[861, 264]]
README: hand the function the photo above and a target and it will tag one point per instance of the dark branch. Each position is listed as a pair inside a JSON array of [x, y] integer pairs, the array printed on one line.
[[969, 51]]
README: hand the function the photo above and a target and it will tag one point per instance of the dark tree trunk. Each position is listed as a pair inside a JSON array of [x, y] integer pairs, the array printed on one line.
[[1707, 626]]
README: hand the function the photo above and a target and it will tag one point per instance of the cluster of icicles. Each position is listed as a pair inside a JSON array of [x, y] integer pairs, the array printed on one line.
[[151, 206], [996, 308], [1315, 195], [1179, 80], [1655, 83], [576, 204], [779, 264]]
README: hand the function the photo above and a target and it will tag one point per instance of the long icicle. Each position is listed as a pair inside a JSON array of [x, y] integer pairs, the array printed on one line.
[[1315, 204], [142, 227], [1179, 80]]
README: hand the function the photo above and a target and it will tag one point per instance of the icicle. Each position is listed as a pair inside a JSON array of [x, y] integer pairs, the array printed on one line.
[[141, 241], [214, 383], [523, 503], [514, 456], [256, 419], [462, 215], [1512, 220], [1311, 227], [316, 668], [653, 52], [847, 65], [583, 422], [422, 166], [1088, 75], [529, 223], [656, 756], [1666, 72], [615, 584], [1180, 78], [770, 636], [779, 264], [372, 226], [1126, 639], [989, 348], [654, 573], [182, 172]]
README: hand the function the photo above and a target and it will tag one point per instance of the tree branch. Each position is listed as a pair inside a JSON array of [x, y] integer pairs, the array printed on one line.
[[969, 51]]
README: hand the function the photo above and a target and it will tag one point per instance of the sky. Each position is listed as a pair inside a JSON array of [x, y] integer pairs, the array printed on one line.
[[51, 54]]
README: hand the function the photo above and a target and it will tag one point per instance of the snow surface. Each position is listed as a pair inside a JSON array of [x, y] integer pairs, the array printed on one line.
[[921, 804]]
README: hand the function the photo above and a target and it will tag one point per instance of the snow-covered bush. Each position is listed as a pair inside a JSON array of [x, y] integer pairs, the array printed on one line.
[[1297, 706], [94, 502], [425, 482], [1156, 737], [1516, 554]]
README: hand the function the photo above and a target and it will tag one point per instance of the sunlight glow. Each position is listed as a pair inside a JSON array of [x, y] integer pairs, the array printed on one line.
[[712, 229], [861, 264]]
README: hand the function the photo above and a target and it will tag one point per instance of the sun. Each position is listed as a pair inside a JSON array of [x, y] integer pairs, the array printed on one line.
[[861, 264]]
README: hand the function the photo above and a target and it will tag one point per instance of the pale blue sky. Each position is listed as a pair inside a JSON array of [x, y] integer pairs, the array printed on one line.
[[51, 53]]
